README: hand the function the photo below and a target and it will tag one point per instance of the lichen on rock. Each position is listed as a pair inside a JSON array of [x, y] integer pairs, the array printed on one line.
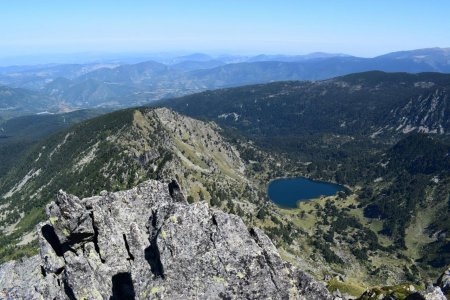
[[149, 243]]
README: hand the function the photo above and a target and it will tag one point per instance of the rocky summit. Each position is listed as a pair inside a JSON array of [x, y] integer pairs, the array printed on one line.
[[149, 243]]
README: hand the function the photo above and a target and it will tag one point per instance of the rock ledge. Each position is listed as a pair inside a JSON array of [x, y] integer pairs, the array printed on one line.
[[149, 243]]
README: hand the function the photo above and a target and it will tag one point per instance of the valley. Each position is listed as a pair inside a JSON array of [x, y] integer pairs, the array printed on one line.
[[381, 135], [349, 130], [224, 150], [132, 82], [120, 150]]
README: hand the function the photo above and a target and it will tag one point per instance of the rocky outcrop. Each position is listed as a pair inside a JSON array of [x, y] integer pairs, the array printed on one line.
[[149, 243], [444, 281], [439, 291], [432, 293]]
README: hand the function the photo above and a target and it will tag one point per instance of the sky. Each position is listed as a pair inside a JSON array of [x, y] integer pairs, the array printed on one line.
[[358, 27]]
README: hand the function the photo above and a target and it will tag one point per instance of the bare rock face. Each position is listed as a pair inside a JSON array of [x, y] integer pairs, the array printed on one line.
[[149, 243], [432, 293], [444, 281]]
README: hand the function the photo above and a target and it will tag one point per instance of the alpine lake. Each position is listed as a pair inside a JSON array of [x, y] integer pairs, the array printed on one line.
[[287, 192]]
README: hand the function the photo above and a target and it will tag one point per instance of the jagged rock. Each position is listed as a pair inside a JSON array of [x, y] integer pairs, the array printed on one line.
[[25, 279], [148, 243], [444, 281], [434, 293], [431, 293]]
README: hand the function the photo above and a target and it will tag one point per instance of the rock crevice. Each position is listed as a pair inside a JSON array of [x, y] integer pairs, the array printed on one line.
[[149, 243]]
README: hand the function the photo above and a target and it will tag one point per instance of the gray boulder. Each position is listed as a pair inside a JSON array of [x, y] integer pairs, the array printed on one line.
[[444, 281], [149, 243], [433, 293]]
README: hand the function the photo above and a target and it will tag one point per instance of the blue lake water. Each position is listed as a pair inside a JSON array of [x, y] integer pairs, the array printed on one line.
[[286, 192]]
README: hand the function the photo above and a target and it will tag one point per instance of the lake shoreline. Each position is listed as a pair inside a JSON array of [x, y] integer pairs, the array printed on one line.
[[286, 192]]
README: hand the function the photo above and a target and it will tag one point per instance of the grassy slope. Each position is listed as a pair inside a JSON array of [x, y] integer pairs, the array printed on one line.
[[117, 151]]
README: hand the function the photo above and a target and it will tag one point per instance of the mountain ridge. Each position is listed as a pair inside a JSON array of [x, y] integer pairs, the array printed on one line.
[[363, 228], [352, 130], [117, 151], [390, 99], [125, 85]]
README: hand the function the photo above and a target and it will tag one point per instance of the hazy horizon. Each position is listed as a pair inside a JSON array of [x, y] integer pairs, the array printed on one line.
[[121, 57], [352, 27]]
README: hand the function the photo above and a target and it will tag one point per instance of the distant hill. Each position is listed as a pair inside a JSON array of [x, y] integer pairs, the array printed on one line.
[[19, 134], [36, 77], [125, 85], [191, 65], [201, 71], [17, 101], [89, 93], [367, 104], [129, 74], [318, 66], [295, 58]]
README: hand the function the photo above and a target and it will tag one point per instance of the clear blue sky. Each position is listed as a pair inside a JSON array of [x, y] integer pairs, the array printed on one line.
[[358, 27]]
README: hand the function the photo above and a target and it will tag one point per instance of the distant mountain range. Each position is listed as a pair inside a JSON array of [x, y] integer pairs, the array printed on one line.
[[122, 85], [18, 101]]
